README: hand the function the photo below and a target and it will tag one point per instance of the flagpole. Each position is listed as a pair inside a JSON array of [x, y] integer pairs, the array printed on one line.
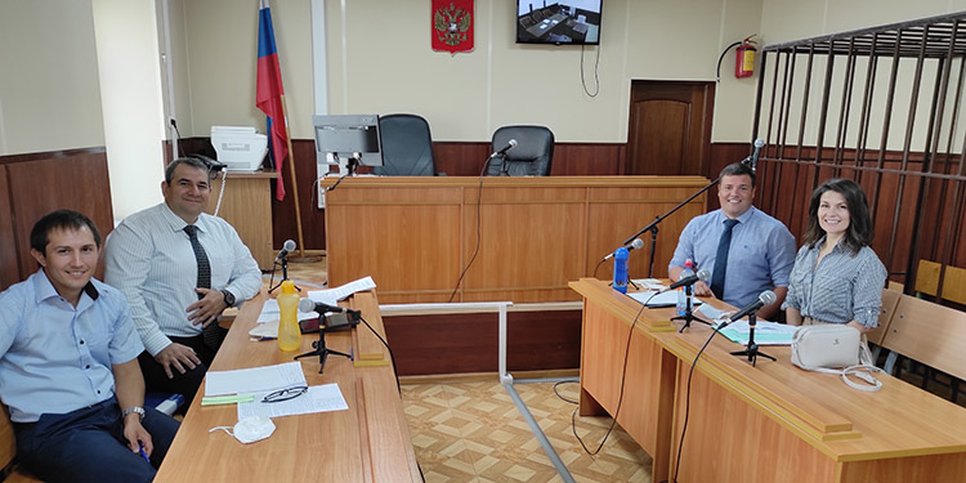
[[295, 182]]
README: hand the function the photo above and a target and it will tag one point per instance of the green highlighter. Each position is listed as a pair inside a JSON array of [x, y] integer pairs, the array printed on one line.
[[230, 399]]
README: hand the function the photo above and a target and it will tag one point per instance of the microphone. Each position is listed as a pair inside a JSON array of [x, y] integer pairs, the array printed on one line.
[[637, 243], [287, 247], [703, 275], [752, 161], [509, 145], [309, 305], [764, 298]]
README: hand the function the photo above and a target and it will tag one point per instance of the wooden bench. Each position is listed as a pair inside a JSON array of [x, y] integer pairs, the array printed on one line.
[[928, 333], [8, 451]]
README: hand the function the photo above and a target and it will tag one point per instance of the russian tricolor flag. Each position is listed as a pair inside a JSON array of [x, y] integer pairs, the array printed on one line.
[[269, 92]]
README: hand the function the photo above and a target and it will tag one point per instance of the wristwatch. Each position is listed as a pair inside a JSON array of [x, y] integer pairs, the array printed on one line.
[[229, 298], [133, 409]]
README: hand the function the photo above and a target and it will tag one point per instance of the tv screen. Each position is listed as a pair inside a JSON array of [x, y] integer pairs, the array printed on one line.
[[574, 22]]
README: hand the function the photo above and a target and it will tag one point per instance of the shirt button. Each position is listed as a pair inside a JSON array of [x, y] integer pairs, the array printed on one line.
[[98, 391], [87, 366], [82, 342]]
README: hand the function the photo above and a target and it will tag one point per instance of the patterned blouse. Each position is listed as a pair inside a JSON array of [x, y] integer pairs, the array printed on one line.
[[842, 288]]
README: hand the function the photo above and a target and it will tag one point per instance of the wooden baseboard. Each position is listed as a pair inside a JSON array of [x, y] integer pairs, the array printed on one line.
[[486, 376]]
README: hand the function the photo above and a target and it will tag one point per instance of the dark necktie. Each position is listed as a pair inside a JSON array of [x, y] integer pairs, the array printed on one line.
[[721, 260], [212, 334]]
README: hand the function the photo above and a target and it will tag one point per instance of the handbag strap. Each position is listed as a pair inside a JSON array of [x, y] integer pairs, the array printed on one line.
[[864, 372]]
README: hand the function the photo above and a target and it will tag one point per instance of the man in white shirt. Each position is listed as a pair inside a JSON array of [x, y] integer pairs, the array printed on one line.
[[174, 291]]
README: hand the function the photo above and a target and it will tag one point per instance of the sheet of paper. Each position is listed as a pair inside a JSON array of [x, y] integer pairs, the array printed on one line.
[[649, 283], [766, 333], [271, 313], [318, 399], [332, 296], [666, 299], [254, 380]]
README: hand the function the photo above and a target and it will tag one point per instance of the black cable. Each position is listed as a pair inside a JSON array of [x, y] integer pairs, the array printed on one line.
[[620, 398], [476, 251], [177, 131], [583, 81], [392, 358], [601, 262], [687, 400], [562, 398]]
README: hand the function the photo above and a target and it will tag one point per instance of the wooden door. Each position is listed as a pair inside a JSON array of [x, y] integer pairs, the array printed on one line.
[[669, 132]]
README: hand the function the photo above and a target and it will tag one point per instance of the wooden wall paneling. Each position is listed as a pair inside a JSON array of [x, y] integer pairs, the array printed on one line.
[[424, 345], [77, 180], [585, 159], [547, 217], [9, 261], [247, 205], [460, 158], [618, 212], [543, 340], [283, 212], [402, 237]]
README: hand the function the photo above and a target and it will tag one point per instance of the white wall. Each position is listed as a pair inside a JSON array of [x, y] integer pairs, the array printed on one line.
[[127, 51], [49, 93]]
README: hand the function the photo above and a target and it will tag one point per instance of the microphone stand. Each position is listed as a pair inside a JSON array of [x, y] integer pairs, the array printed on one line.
[[688, 316], [751, 350], [320, 348], [284, 260]]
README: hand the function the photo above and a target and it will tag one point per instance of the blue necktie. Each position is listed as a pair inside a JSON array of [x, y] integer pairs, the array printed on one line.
[[721, 260]]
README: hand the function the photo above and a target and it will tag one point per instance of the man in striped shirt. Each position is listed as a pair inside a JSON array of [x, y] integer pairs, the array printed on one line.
[[179, 268]]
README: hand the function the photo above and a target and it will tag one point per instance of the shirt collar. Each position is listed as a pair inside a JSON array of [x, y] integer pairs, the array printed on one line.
[[743, 218], [176, 223], [44, 290]]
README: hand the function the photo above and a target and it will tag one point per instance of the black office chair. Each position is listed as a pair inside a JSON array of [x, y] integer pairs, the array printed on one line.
[[532, 155], [407, 146]]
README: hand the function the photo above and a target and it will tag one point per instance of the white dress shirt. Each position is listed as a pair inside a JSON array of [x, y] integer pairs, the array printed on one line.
[[149, 258]]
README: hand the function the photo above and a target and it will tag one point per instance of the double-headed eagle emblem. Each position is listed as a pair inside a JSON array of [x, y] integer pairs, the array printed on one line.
[[451, 24]]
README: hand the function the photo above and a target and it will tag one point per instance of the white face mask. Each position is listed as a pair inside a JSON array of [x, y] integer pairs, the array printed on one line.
[[250, 429]]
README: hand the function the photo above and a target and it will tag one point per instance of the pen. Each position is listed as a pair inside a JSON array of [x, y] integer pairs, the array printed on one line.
[[142, 453]]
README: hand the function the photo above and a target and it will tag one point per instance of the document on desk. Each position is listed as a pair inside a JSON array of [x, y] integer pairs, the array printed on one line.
[[271, 313], [332, 296], [666, 299], [766, 333], [318, 399], [254, 380]]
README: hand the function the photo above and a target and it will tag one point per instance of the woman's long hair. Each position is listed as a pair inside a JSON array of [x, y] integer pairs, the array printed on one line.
[[860, 232]]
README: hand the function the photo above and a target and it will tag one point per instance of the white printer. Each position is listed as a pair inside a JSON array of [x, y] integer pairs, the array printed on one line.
[[239, 148]]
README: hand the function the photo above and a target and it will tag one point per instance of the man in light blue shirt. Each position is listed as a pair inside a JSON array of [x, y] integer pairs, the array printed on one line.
[[68, 366], [761, 252]]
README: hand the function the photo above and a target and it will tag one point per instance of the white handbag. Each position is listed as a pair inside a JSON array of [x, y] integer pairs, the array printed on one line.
[[835, 349]]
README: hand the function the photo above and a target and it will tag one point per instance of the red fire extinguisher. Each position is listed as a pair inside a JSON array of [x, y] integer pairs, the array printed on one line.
[[745, 58]]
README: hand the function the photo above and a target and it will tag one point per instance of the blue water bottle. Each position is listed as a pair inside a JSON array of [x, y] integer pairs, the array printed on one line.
[[620, 269]]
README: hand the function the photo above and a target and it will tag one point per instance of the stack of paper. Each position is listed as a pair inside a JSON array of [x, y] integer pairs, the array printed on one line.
[[254, 380], [332, 296], [665, 299]]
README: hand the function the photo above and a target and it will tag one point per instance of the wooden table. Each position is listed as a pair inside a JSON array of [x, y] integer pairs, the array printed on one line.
[[769, 423], [369, 442], [414, 235]]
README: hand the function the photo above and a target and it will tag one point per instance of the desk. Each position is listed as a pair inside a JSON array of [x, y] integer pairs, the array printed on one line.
[[414, 235], [769, 423], [369, 442]]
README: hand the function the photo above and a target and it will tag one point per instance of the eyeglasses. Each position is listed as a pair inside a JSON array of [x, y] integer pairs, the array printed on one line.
[[285, 394]]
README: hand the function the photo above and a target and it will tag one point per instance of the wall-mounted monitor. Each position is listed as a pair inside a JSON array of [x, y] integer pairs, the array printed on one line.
[[339, 138], [568, 22]]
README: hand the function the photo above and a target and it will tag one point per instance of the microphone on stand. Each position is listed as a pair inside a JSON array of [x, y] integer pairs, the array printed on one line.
[[703, 275], [752, 161], [309, 305], [287, 247], [509, 145], [764, 298], [637, 243]]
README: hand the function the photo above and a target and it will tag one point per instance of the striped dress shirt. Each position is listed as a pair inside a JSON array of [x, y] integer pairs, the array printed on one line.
[[149, 258], [841, 288]]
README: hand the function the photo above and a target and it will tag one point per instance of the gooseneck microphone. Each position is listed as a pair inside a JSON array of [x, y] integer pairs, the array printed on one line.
[[287, 247], [509, 145], [634, 245], [752, 161], [703, 275], [764, 298]]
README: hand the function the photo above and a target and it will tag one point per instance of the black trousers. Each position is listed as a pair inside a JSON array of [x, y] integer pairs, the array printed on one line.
[[187, 384]]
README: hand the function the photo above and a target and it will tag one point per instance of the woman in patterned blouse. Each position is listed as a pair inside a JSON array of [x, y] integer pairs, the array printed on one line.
[[837, 278]]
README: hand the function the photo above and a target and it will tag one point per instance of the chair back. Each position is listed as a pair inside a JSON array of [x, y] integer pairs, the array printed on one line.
[[532, 156], [929, 333], [407, 146]]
